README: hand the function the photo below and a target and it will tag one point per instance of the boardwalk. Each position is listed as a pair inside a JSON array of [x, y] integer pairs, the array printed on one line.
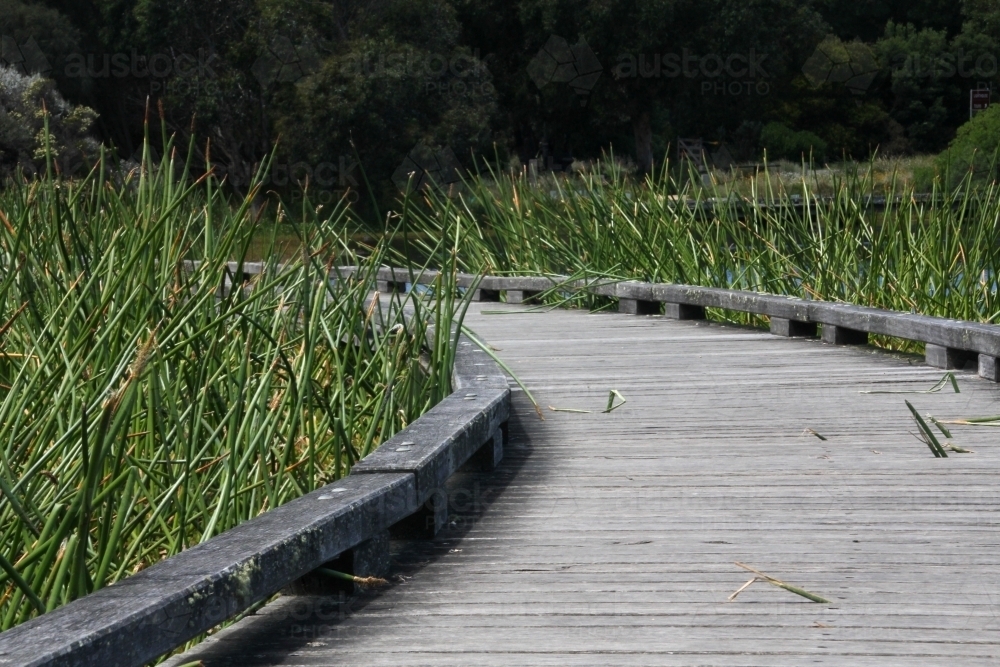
[[609, 539]]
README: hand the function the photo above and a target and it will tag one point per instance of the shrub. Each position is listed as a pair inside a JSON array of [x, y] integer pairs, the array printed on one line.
[[24, 102], [974, 149], [780, 141]]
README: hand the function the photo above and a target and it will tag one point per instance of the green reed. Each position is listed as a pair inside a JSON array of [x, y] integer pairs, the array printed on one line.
[[935, 254], [151, 397]]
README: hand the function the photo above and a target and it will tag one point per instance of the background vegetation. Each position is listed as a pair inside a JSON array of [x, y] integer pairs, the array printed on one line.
[[366, 81], [868, 240]]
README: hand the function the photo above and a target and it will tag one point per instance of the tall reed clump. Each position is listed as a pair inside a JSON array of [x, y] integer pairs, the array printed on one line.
[[150, 398], [936, 255]]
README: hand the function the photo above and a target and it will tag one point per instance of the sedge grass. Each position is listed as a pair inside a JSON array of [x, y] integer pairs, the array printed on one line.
[[936, 254], [150, 398]]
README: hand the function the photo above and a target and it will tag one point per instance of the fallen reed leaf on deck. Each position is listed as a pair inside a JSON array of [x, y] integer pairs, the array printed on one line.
[[489, 350], [743, 588], [927, 435], [971, 421], [941, 428], [948, 377], [775, 582], [809, 431], [612, 395], [531, 311], [574, 410], [958, 450], [364, 582]]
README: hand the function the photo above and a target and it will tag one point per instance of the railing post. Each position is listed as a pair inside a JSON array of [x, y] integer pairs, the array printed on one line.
[[488, 295], [426, 522], [843, 336], [368, 559], [389, 287], [792, 328], [948, 358], [488, 457], [683, 311], [639, 307], [989, 368]]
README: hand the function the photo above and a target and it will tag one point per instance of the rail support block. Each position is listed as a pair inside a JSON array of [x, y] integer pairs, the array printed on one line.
[[426, 522], [521, 295], [989, 368], [388, 287], [948, 358], [637, 307], [792, 328], [486, 295], [488, 457], [368, 559], [843, 336], [683, 311]]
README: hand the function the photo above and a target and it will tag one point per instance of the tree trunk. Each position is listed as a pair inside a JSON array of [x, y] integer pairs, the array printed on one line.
[[643, 142]]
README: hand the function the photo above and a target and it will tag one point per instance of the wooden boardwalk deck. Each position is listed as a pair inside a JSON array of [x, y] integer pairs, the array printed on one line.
[[609, 539]]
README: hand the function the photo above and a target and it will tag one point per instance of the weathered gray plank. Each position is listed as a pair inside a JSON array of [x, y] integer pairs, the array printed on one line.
[[609, 538]]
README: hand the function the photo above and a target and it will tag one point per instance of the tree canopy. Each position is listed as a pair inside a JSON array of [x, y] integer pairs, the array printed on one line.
[[339, 83]]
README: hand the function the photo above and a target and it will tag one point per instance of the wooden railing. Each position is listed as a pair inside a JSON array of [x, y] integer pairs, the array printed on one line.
[[149, 614], [395, 490], [948, 343]]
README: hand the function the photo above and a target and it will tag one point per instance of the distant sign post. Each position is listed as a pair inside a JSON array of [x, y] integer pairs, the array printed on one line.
[[979, 100]]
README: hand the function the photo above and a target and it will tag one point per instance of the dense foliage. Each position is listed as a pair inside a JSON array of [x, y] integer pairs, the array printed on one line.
[[349, 82], [36, 123], [936, 255], [975, 150], [151, 397]]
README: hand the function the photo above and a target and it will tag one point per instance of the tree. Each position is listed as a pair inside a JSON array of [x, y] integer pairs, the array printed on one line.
[[975, 148], [398, 81], [930, 76], [25, 102]]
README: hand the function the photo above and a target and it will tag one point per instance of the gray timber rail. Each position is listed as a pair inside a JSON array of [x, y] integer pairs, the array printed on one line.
[[610, 538]]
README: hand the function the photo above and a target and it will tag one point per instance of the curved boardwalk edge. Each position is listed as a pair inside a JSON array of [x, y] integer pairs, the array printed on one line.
[[138, 619], [949, 343], [610, 538]]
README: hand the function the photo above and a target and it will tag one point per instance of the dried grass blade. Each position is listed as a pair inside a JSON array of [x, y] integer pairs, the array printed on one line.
[[780, 584]]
